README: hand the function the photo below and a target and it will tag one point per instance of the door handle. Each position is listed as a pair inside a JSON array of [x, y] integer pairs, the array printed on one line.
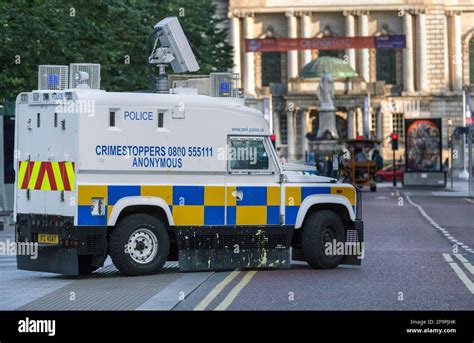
[[239, 195]]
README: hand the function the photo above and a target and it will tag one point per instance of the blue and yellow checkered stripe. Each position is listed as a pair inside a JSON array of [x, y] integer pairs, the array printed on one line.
[[260, 205], [294, 196], [191, 205], [209, 205]]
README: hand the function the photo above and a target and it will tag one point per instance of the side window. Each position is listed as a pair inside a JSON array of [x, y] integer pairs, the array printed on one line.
[[247, 153], [161, 119], [161, 116], [112, 118]]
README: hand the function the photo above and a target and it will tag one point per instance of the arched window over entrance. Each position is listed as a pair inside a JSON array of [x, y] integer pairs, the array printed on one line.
[[271, 61], [271, 68], [327, 32], [385, 59], [386, 66]]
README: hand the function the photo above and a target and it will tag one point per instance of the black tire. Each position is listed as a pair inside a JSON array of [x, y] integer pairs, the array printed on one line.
[[379, 178], [121, 236], [84, 263], [322, 227]]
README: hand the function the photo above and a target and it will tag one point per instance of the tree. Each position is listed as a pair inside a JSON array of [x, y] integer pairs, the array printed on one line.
[[112, 33]]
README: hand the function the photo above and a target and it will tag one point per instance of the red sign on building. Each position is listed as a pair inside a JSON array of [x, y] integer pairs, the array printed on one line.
[[325, 43]]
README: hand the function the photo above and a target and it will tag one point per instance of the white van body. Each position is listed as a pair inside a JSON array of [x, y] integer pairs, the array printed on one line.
[[86, 159]]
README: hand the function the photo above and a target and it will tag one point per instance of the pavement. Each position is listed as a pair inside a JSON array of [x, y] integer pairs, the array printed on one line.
[[417, 257]]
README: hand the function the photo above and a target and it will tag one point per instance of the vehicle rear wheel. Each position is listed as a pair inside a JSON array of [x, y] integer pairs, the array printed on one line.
[[320, 228], [139, 245]]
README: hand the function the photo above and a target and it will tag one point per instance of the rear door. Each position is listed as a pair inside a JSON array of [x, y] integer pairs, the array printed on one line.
[[45, 157]]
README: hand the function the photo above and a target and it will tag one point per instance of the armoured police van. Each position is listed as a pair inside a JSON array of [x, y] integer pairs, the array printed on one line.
[[147, 178]]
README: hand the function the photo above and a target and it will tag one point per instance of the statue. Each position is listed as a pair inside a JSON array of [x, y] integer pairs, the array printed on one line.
[[326, 92], [327, 112]]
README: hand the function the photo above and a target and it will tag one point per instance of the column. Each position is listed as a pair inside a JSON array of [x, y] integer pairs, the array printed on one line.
[[290, 128], [457, 51], [365, 123], [379, 123], [421, 52], [305, 33], [235, 41], [249, 69], [408, 75], [359, 122], [293, 54], [447, 84], [350, 32], [350, 123], [304, 129], [364, 53]]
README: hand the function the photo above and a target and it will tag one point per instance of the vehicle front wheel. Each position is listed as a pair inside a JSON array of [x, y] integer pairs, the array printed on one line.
[[322, 232], [139, 245]]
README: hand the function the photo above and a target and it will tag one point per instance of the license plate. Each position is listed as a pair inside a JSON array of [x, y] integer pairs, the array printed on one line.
[[48, 239]]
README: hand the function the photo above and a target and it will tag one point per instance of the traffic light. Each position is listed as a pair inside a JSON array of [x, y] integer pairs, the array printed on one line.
[[394, 137], [273, 140]]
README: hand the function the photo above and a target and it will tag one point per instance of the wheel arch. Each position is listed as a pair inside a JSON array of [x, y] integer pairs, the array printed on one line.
[[336, 203], [154, 206]]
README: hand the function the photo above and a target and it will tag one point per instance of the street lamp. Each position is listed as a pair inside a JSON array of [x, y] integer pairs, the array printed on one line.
[[464, 174]]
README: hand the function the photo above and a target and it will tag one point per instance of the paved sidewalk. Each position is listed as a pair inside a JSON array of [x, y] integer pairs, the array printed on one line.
[[460, 189], [19, 287]]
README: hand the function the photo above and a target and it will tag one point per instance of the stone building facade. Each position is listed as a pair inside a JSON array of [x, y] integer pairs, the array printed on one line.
[[430, 78]]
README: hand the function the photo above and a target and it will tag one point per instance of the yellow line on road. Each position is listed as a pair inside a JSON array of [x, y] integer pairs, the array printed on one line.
[[448, 258], [235, 291], [468, 283], [466, 263], [216, 291]]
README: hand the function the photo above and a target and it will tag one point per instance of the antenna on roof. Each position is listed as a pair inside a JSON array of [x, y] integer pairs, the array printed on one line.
[[174, 49]]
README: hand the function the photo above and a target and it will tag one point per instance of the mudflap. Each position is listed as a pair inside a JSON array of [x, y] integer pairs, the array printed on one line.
[[355, 240], [51, 259], [229, 248]]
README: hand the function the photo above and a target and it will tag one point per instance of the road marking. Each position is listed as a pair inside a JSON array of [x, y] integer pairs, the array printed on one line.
[[448, 258], [469, 200], [468, 283], [235, 291], [441, 229], [466, 263], [216, 291], [176, 292]]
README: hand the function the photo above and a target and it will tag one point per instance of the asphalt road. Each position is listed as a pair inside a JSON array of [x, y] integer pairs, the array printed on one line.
[[404, 267], [412, 262]]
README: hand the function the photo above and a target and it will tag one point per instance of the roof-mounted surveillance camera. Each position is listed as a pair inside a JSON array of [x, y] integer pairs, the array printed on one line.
[[81, 76], [174, 47]]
